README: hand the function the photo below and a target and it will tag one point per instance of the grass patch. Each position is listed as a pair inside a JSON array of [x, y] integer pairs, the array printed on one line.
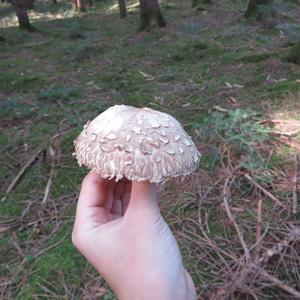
[[12, 81]]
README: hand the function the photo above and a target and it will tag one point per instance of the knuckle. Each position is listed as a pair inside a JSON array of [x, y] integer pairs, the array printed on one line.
[[90, 177]]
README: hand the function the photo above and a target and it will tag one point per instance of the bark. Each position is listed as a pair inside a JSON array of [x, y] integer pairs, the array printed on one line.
[[253, 5], [149, 10], [80, 5], [21, 7], [122, 7], [54, 1]]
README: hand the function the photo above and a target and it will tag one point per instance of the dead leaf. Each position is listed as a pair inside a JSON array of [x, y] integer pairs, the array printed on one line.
[[232, 100], [217, 107], [239, 86]]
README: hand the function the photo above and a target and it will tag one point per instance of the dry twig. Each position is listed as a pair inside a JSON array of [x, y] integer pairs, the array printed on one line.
[[295, 196], [258, 226], [22, 171], [226, 187], [49, 182], [277, 201]]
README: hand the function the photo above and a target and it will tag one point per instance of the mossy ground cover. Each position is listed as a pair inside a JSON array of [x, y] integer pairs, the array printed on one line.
[[213, 70]]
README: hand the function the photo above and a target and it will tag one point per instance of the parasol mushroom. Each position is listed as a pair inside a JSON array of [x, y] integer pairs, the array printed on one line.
[[140, 144]]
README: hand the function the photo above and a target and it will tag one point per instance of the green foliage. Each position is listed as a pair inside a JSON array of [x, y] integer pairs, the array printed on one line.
[[265, 11], [239, 131]]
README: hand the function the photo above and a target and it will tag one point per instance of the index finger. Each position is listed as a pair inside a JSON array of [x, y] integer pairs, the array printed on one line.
[[93, 192]]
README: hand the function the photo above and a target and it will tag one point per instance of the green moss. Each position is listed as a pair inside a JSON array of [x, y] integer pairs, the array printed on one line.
[[61, 265], [67, 179], [64, 258]]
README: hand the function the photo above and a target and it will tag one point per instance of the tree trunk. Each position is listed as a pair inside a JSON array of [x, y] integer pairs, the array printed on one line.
[[21, 7], [149, 10], [80, 5], [253, 5], [54, 1], [122, 7]]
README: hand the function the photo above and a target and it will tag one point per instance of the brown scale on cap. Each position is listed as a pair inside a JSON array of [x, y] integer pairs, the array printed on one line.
[[137, 143]]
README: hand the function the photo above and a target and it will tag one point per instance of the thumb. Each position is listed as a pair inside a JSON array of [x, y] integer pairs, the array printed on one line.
[[143, 196]]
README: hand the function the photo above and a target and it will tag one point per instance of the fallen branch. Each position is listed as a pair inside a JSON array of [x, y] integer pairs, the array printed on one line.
[[22, 171], [272, 197], [279, 283], [295, 196]]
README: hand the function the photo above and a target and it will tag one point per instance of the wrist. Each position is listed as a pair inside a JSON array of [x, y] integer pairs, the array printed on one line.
[[158, 288], [192, 294]]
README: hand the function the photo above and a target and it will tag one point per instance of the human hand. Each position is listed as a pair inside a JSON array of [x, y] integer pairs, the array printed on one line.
[[119, 229]]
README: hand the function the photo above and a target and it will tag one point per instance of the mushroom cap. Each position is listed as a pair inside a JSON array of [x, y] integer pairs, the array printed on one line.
[[140, 144]]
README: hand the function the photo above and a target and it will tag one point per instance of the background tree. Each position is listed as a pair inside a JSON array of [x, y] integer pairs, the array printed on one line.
[[21, 7], [122, 7], [256, 6], [149, 10], [80, 5]]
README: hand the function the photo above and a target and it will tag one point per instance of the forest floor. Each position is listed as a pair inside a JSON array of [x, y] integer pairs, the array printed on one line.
[[228, 80]]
